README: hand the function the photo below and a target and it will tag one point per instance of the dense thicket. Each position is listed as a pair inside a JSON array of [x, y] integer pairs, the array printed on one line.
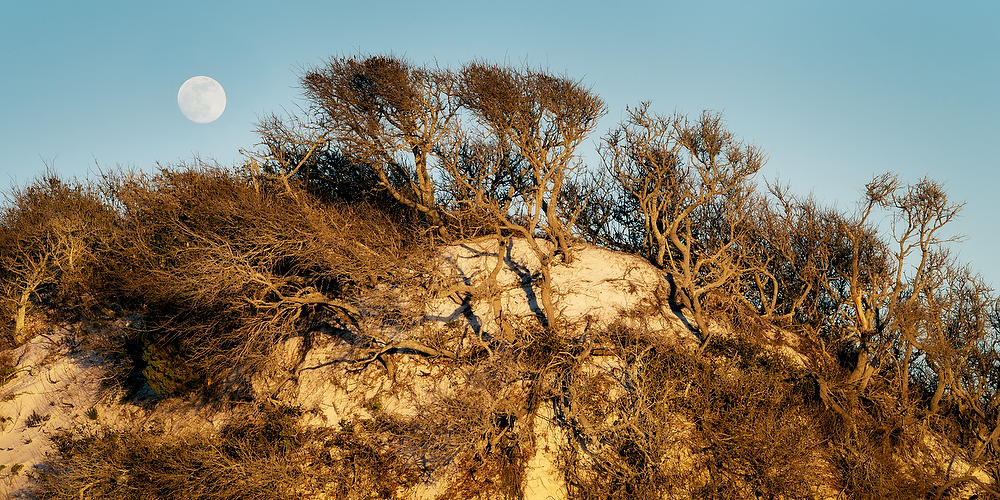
[[260, 455], [213, 267]]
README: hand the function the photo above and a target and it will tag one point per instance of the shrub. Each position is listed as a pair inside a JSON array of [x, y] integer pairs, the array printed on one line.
[[263, 453], [50, 234], [35, 419], [739, 414], [8, 367], [166, 370], [223, 270]]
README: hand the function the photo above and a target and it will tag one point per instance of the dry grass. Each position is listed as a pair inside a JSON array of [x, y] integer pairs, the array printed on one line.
[[222, 270], [8, 367], [262, 454]]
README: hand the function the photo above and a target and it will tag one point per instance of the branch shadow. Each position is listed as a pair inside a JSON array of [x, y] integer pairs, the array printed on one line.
[[464, 309], [678, 311], [527, 278]]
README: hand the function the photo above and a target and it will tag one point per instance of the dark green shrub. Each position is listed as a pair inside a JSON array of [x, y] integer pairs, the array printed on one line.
[[166, 370]]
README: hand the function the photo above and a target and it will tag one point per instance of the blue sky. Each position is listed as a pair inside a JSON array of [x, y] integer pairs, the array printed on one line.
[[833, 91]]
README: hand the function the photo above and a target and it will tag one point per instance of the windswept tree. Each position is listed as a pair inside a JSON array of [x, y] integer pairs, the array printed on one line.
[[485, 179], [884, 281], [977, 382], [952, 323], [386, 114], [789, 258], [295, 150], [48, 236], [530, 124], [691, 183]]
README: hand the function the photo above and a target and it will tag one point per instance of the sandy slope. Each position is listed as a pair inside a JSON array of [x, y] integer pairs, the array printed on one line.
[[57, 385], [52, 391]]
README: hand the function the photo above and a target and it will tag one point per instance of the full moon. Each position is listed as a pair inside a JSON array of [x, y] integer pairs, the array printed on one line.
[[201, 99]]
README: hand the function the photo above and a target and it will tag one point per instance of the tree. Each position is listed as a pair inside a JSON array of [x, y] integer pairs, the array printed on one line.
[[48, 236], [530, 126], [386, 114], [878, 285], [953, 321], [690, 181]]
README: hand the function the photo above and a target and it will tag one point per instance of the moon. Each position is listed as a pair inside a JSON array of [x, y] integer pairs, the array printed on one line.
[[201, 99]]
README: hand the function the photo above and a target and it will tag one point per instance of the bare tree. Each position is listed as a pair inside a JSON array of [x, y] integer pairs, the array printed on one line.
[[27, 271], [879, 287], [47, 237], [691, 183], [543, 119], [788, 258], [388, 115], [609, 217], [291, 149], [485, 179], [955, 320]]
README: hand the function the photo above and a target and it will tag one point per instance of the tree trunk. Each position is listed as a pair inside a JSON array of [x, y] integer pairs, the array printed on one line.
[[904, 383], [699, 320], [548, 310], [944, 377], [863, 371], [936, 399], [21, 315]]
